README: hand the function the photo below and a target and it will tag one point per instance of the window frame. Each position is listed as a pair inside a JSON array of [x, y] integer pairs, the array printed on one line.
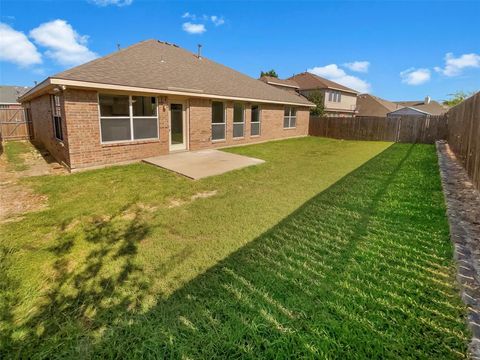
[[224, 123], [56, 118], [130, 117], [237, 122], [290, 117], [259, 122]]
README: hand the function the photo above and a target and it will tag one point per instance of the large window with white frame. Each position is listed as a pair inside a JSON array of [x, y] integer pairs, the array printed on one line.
[[238, 120], [56, 109], [218, 121], [290, 117], [128, 118], [255, 120]]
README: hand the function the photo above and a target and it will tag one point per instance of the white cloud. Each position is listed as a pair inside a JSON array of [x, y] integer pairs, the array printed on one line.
[[334, 73], [414, 76], [193, 28], [187, 15], [359, 66], [16, 48], [454, 66], [64, 44], [197, 24], [217, 21], [104, 3]]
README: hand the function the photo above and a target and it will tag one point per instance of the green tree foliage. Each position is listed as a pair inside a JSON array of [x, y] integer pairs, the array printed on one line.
[[457, 98], [316, 97], [271, 73]]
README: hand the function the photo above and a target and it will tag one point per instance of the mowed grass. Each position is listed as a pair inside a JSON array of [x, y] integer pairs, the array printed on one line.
[[331, 249], [14, 151]]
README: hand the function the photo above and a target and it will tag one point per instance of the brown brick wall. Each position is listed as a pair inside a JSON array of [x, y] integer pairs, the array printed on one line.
[[82, 140], [43, 128], [271, 124], [84, 131]]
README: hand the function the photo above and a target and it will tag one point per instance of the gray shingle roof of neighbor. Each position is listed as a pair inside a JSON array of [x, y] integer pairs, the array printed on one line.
[[432, 108], [309, 81], [162, 66], [10, 94]]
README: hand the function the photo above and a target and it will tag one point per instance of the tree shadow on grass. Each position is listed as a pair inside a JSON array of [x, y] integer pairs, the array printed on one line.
[[362, 270], [86, 292]]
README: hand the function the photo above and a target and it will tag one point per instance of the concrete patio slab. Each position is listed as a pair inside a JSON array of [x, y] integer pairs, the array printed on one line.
[[200, 164]]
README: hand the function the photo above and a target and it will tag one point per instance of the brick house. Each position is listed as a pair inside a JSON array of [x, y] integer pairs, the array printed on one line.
[[154, 98]]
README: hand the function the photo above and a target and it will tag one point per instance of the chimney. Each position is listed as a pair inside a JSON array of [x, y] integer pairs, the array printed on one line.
[[199, 52], [427, 100]]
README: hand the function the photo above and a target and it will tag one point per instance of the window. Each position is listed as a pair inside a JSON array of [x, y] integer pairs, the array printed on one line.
[[218, 121], [56, 116], [255, 121], [238, 120], [290, 118], [144, 115], [334, 96], [127, 118]]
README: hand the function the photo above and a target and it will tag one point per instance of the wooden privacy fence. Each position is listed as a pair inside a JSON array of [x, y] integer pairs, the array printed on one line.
[[464, 135], [14, 125], [411, 129]]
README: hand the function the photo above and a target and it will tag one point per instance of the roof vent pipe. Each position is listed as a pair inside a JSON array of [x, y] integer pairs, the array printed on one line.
[[427, 100], [199, 52]]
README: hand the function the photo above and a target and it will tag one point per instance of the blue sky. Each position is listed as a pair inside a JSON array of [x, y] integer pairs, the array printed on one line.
[[395, 50]]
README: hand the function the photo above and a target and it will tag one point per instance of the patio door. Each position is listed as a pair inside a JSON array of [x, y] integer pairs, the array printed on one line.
[[178, 131]]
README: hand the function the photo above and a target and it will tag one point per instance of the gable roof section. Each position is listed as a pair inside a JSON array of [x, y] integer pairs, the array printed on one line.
[[369, 105], [407, 110], [10, 94], [160, 66], [432, 108], [279, 82], [309, 81]]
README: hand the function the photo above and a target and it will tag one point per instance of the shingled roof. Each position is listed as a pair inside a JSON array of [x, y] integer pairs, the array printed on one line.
[[432, 107], [309, 81], [10, 94], [279, 82], [157, 65], [369, 105]]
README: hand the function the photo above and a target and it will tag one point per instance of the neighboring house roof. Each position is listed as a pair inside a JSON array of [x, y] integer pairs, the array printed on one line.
[[160, 67], [369, 105], [10, 94], [431, 107], [279, 82], [408, 110], [309, 81]]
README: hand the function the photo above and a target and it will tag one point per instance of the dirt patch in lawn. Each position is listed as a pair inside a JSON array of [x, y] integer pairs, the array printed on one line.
[[17, 199], [200, 195]]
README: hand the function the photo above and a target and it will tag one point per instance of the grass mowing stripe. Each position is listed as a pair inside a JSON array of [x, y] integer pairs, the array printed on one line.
[[363, 269]]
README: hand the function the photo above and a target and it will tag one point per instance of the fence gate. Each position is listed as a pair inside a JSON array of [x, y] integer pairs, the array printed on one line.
[[15, 125]]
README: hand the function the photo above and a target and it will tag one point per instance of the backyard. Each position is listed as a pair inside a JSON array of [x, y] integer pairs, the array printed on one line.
[[330, 249]]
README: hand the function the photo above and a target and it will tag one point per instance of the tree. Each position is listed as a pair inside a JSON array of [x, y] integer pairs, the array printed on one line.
[[271, 73], [457, 98], [316, 97]]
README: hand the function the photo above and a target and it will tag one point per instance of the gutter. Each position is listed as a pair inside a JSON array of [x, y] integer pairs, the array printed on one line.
[[173, 91]]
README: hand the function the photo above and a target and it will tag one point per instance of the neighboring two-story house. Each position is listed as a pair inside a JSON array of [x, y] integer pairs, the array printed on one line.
[[338, 100]]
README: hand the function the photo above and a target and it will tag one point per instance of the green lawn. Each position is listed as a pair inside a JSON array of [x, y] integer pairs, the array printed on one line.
[[331, 249], [14, 151]]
